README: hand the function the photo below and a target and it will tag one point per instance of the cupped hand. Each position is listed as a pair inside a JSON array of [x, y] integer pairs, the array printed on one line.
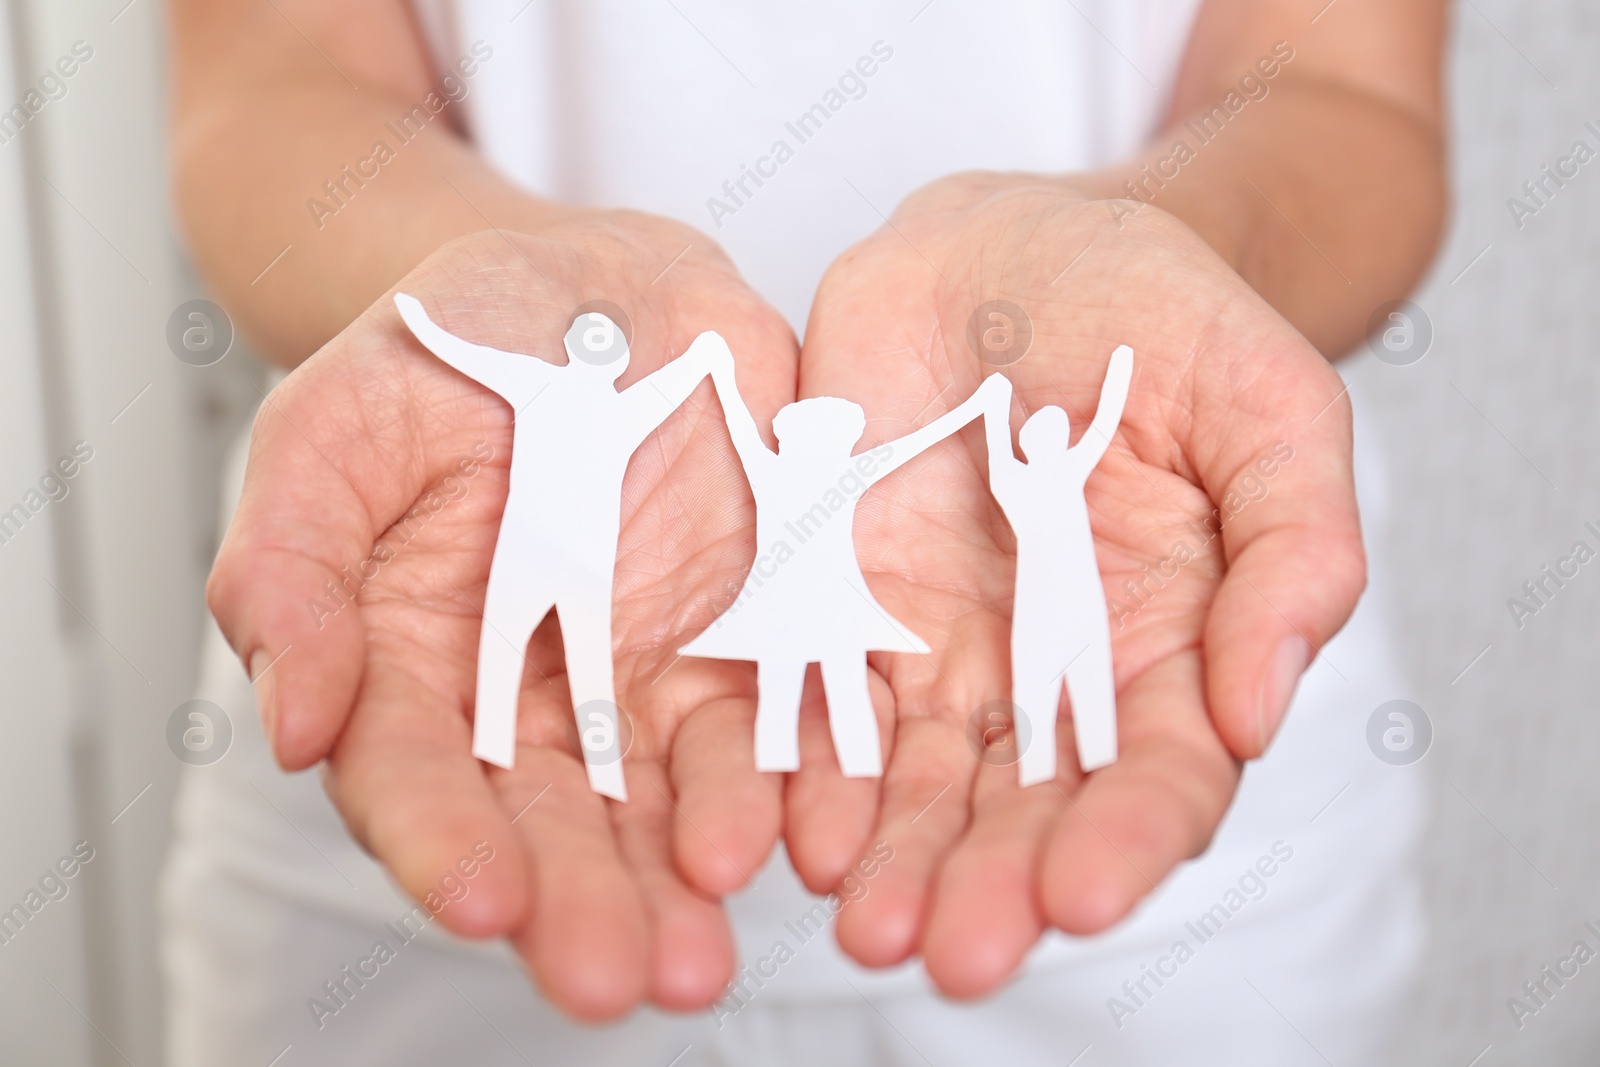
[[1209, 634], [356, 567]]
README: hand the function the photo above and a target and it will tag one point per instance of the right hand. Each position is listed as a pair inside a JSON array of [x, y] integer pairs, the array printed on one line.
[[372, 426]]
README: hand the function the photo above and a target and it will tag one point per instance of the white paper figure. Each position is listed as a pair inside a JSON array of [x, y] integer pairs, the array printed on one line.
[[1058, 621], [574, 434], [805, 599]]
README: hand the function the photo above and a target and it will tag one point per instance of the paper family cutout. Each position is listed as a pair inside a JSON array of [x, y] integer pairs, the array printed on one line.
[[805, 600]]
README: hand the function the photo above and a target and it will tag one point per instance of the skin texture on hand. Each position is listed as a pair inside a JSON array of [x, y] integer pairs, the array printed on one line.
[[357, 448], [1344, 166], [1221, 382]]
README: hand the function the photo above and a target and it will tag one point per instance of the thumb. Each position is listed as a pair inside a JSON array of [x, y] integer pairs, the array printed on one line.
[[279, 588], [334, 463], [1296, 566]]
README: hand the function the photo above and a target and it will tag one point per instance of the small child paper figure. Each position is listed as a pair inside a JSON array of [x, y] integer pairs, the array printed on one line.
[[573, 436], [805, 599], [1058, 618]]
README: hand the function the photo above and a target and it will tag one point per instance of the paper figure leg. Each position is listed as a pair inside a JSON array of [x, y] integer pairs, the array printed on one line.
[[850, 717], [1036, 698], [778, 714], [511, 611], [586, 633], [1093, 689]]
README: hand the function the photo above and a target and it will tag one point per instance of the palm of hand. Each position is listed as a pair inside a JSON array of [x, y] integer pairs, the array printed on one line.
[[609, 904], [1221, 383], [377, 456]]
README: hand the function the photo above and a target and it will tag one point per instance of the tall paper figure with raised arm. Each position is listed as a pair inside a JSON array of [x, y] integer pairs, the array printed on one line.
[[574, 434], [805, 599], [1059, 615]]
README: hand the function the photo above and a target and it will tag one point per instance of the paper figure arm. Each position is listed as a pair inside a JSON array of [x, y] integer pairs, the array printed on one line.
[[514, 376], [753, 451], [1113, 397], [663, 391], [904, 449], [1003, 462]]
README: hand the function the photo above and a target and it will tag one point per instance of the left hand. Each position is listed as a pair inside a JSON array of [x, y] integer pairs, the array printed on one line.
[[1207, 663]]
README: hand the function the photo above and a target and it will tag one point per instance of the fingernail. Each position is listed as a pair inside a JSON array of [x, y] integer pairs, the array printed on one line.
[[266, 694], [1288, 663]]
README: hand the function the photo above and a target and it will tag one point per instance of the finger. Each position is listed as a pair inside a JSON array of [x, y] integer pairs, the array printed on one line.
[[1295, 561], [692, 951], [318, 494], [587, 941], [403, 779], [729, 814], [1130, 823], [828, 818], [985, 914], [926, 793]]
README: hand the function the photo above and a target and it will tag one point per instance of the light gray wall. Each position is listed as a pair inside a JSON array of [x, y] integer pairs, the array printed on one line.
[[42, 974], [1494, 436], [101, 591]]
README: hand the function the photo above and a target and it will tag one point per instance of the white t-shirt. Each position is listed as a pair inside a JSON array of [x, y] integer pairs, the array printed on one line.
[[656, 105], [651, 105]]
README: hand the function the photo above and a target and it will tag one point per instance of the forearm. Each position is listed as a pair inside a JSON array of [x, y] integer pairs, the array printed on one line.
[[259, 132], [1320, 175], [1326, 201]]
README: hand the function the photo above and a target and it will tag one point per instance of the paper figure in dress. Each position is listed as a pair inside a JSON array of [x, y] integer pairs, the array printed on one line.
[[805, 600], [573, 436], [1058, 619]]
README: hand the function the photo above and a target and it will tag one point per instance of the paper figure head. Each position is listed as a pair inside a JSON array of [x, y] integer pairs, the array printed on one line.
[[595, 341], [821, 424], [1047, 432]]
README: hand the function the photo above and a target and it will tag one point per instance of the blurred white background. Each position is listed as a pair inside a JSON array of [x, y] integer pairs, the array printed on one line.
[[1492, 438]]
